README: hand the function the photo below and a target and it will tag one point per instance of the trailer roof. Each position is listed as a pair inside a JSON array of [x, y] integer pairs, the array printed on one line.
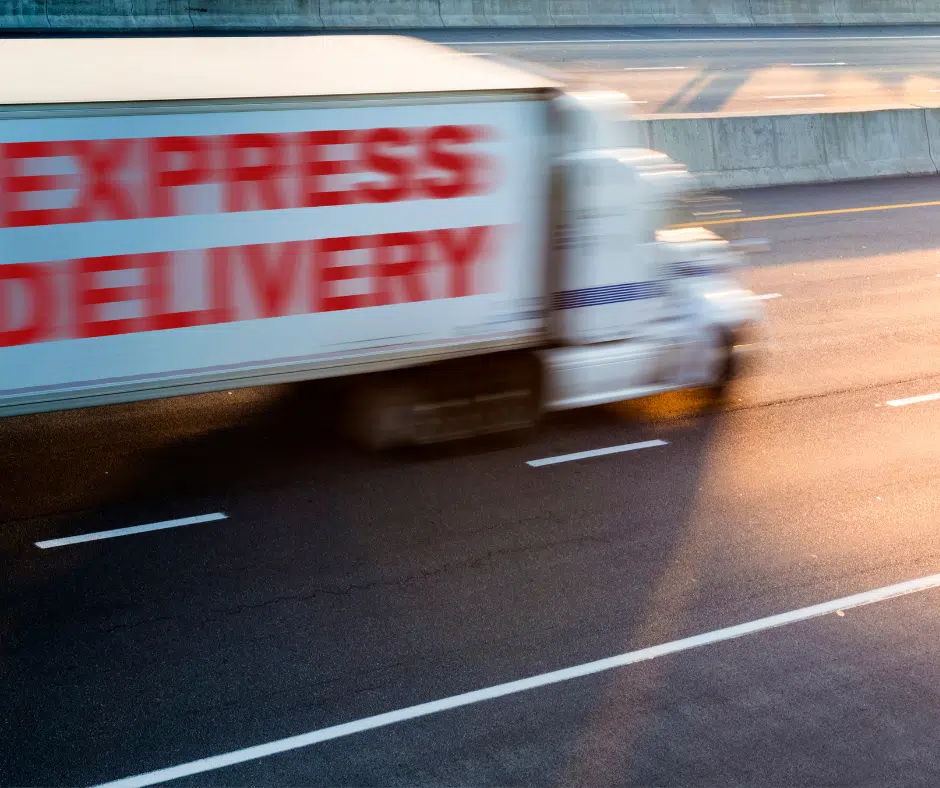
[[92, 70]]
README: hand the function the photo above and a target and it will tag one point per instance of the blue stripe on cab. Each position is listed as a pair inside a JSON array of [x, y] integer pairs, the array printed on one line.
[[628, 291], [608, 294]]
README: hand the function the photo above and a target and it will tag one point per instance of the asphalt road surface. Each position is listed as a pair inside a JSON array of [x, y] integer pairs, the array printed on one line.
[[342, 586], [704, 72]]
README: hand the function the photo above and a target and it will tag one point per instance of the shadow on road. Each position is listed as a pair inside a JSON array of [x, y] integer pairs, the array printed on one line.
[[708, 91], [345, 585]]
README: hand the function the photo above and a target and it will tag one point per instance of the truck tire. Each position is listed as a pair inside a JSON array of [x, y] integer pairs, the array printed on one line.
[[725, 368], [381, 413], [512, 400], [486, 395]]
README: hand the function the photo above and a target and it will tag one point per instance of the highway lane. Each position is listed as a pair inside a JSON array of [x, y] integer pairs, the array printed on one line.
[[343, 586], [732, 71], [308, 609], [860, 290]]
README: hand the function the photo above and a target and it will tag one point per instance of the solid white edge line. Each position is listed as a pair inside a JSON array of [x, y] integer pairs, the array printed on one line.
[[134, 529], [768, 296], [897, 403], [583, 455], [689, 40], [655, 68], [522, 685], [815, 65], [799, 96]]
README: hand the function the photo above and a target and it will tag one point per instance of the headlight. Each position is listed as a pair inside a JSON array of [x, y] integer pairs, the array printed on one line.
[[736, 293]]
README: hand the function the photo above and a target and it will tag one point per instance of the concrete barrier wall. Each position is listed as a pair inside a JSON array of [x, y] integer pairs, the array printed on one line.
[[109, 15], [158, 15], [739, 152], [253, 14], [379, 13]]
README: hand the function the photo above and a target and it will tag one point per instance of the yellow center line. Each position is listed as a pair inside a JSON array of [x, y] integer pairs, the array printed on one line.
[[802, 214]]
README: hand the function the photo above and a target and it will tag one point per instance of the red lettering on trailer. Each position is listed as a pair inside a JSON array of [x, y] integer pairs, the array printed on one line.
[[14, 183], [262, 179], [317, 168], [221, 303], [31, 286], [122, 179], [272, 271], [400, 258], [102, 196], [330, 269], [165, 178], [160, 313], [274, 280], [385, 152], [443, 152], [462, 247], [90, 294]]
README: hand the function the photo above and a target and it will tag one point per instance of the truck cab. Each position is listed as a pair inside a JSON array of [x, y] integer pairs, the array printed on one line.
[[637, 307]]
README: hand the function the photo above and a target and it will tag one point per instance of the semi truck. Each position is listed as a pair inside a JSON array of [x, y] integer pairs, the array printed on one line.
[[460, 244]]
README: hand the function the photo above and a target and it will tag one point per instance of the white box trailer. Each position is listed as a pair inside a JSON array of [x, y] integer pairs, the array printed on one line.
[[187, 215]]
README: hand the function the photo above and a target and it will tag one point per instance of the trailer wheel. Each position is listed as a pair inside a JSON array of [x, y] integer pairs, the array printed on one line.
[[381, 414], [514, 402], [531, 372], [487, 395]]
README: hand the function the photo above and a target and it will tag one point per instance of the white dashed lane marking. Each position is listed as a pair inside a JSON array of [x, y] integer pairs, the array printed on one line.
[[135, 529], [897, 403], [799, 96], [656, 68], [583, 455]]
